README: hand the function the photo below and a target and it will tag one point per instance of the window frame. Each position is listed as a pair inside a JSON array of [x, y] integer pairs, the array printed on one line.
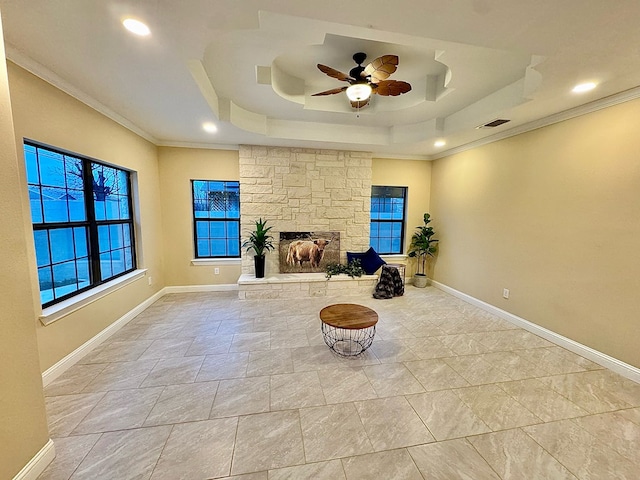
[[209, 220], [401, 222], [90, 223]]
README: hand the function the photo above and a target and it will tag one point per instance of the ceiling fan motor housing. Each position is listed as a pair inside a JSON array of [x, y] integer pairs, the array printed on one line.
[[356, 72]]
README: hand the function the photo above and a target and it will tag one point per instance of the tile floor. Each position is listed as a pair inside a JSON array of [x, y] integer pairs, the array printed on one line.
[[203, 386]]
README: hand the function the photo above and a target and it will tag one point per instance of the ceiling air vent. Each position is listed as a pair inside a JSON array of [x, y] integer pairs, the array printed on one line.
[[494, 123]]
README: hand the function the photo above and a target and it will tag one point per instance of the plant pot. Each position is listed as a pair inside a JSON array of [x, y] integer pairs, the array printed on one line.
[[420, 280], [258, 263]]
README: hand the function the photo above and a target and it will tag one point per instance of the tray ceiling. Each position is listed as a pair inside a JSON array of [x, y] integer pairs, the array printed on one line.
[[250, 67]]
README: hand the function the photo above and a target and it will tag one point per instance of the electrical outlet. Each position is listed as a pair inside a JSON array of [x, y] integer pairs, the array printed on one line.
[[505, 293], [216, 271], [150, 280]]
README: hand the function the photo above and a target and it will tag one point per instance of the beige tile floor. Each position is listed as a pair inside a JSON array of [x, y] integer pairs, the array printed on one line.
[[203, 386]]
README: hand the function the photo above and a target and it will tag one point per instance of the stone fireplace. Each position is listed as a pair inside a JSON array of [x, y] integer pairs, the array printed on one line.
[[300, 189]]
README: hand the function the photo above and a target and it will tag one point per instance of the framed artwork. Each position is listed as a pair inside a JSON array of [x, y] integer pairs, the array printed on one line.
[[304, 252]]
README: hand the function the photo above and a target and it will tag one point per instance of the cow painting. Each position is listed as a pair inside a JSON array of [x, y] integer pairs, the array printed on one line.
[[311, 251], [308, 252]]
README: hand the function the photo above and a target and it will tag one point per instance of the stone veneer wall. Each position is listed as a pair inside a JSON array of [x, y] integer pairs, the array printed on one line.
[[299, 189]]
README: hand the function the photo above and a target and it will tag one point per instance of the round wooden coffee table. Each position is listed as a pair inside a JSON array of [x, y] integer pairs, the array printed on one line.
[[348, 329]]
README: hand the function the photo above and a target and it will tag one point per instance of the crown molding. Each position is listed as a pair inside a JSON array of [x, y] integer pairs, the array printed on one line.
[[204, 146], [42, 72], [606, 102], [400, 156]]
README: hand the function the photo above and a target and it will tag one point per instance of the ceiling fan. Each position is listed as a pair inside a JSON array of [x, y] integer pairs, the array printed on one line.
[[365, 81]]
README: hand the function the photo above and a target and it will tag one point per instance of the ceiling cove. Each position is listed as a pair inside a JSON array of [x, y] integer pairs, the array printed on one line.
[[449, 93]]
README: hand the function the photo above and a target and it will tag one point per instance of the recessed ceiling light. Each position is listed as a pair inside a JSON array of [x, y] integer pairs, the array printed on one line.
[[584, 87], [136, 26], [439, 143], [209, 127]]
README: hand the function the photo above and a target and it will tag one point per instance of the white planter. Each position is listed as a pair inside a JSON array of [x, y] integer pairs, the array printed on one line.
[[420, 281]]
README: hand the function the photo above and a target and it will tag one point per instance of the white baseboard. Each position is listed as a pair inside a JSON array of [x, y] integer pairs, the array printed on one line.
[[53, 372], [618, 366], [201, 288], [38, 463]]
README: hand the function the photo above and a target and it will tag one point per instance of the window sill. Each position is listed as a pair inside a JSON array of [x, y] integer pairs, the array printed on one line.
[[62, 309], [202, 262], [396, 256]]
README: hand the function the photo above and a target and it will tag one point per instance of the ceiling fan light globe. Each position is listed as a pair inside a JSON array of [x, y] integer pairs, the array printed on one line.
[[359, 92]]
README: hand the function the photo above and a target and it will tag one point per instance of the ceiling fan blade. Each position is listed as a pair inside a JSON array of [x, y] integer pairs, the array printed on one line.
[[330, 92], [361, 104], [382, 67], [391, 88], [333, 73]]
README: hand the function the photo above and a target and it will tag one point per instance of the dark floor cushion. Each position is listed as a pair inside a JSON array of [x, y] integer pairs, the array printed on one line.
[[370, 260]]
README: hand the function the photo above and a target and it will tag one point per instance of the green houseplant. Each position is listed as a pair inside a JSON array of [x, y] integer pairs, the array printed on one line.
[[353, 269], [260, 241], [422, 245]]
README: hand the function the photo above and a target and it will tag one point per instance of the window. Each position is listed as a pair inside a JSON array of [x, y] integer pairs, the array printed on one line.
[[388, 205], [81, 212], [216, 218]]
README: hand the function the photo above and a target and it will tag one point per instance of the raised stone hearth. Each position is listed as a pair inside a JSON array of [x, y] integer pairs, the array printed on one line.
[[303, 285]]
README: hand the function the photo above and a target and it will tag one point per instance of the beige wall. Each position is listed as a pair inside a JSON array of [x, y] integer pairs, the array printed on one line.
[[554, 216], [23, 423], [45, 114], [414, 174], [178, 166]]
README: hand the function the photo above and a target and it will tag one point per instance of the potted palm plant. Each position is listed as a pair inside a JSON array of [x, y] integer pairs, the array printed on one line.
[[260, 242], [422, 245]]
